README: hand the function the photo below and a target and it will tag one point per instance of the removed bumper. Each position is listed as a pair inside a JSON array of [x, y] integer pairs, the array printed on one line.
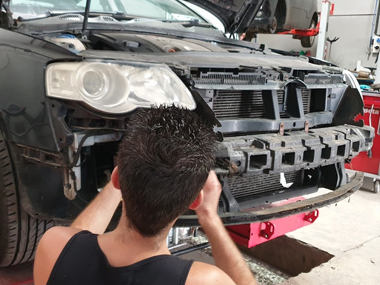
[[285, 210]]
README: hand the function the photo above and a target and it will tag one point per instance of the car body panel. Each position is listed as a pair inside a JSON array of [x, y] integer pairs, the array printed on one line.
[[303, 11], [26, 118]]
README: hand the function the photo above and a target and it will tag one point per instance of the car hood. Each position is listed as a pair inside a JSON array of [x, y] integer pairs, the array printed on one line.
[[204, 59], [236, 15]]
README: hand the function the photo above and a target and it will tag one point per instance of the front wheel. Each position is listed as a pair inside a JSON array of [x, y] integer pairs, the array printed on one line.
[[308, 42], [273, 27], [19, 232]]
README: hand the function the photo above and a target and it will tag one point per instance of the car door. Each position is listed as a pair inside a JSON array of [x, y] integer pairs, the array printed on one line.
[[301, 13]]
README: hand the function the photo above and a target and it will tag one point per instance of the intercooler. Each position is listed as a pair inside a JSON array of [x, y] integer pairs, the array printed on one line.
[[234, 104], [248, 187], [239, 104]]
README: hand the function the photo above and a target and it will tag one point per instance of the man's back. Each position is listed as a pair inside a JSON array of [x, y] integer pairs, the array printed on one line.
[[164, 167], [82, 261]]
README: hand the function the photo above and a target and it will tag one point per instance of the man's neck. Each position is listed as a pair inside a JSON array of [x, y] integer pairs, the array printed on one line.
[[130, 241], [126, 234]]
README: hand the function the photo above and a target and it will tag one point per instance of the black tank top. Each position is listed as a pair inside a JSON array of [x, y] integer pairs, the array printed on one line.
[[83, 262]]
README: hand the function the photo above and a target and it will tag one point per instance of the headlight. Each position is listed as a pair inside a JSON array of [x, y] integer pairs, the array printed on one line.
[[117, 87]]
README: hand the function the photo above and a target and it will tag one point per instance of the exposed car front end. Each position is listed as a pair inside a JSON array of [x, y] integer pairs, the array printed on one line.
[[285, 126]]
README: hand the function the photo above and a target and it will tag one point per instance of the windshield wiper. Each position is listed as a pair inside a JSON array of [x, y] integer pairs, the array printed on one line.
[[190, 23], [49, 14]]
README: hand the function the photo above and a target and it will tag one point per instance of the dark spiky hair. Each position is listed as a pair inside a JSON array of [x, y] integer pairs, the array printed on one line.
[[164, 161]]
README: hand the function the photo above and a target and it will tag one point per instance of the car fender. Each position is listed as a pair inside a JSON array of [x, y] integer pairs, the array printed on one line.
[[24, 107]]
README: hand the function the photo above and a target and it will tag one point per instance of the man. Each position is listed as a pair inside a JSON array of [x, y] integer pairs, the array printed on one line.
[[163, 168]]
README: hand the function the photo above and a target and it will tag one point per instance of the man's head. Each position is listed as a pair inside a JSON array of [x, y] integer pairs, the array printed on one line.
[[163, 163]]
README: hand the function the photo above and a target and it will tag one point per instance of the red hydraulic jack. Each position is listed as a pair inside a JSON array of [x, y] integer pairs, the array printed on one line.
[[297, 33], [250, 235], [300, 33]]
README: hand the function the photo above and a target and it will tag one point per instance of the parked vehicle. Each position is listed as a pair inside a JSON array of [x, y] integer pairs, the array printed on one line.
[[70, 81], [281, 15]]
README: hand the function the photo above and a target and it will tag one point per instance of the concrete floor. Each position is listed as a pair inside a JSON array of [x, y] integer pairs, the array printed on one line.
[[349, 231]]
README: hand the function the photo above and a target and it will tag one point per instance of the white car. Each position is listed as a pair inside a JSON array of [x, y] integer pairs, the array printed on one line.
[[281, 15]]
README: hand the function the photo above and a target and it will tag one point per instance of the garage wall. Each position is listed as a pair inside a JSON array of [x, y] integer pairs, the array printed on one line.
[[351, 22]]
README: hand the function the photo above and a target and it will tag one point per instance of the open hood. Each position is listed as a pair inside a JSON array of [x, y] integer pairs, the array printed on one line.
[[236, 15]]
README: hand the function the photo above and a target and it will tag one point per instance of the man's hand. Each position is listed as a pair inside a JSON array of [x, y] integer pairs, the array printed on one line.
[[211, 191], [226, 255]]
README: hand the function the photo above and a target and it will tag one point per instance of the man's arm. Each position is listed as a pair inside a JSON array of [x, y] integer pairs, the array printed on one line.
[[227, 256], [97, 216]]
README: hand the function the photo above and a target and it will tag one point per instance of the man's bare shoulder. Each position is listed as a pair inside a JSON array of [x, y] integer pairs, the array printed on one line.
[[206, 274], [56, 238], [49, 248]]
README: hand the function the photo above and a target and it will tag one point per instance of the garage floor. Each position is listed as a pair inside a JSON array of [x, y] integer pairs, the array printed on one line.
[[350, 232], [347, 235], [345, 241], [20, 274]]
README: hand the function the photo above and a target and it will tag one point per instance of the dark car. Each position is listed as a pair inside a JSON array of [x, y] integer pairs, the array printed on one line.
[[71, 77]]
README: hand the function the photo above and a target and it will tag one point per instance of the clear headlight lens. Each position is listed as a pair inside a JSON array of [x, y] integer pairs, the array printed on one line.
[[117, 87]]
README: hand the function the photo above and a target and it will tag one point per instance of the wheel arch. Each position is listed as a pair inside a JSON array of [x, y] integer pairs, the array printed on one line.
[[40, 187], [39, 197]]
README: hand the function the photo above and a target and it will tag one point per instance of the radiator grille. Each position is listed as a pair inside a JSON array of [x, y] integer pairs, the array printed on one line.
[[245, 187], [225, 78], [281, 101], [306, 94], [239, 104], [281, 97], [232, 104]]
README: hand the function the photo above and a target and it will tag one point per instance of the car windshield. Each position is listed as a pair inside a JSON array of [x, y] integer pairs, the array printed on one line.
[[153, 9]]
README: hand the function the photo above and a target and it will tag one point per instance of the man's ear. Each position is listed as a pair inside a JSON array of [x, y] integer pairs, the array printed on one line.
[[115, 178], [198, 202]]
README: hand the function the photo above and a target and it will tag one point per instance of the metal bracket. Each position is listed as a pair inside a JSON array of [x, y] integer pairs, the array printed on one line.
[[69, 185], [312, 216], [306, 126], [268, 231]]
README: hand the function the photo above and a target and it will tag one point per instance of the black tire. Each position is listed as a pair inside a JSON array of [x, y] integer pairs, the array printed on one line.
[[19, 232], [308, 42], [279, 17], [273, 26]]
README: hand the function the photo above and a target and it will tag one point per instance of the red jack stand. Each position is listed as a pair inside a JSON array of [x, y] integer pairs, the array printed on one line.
[[250, 235]]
